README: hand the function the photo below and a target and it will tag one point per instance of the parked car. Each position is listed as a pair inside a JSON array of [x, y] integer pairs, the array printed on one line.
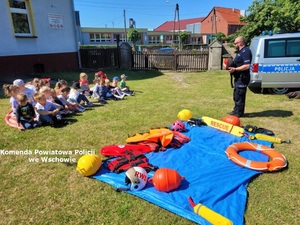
[[165, 50], [275, 63]]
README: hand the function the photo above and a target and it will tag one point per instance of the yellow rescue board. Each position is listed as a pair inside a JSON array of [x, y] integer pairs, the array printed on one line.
[[223, 126]]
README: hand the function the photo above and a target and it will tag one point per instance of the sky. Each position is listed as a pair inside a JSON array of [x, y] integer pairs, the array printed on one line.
[[146, 14]]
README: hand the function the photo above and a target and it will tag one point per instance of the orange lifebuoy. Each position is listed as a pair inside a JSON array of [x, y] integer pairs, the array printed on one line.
[[278, 161]]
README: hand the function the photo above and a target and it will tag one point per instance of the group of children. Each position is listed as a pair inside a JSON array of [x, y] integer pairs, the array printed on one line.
[[104, 90], [36, 103]]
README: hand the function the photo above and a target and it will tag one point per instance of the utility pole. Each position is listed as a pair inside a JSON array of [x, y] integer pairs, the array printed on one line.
[[214, 24], [125, 25], [174, 22]]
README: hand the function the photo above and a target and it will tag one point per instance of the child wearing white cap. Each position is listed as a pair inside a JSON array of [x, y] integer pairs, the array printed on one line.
[[27, 91]]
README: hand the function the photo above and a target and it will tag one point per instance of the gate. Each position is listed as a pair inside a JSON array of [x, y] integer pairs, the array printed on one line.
[[192, 60], [177, 61], [95, 58]]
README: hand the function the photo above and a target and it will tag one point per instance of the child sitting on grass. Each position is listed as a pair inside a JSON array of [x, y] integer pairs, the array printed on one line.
[[84, 83], [29, 92], [63, 97], [114, 90], [35, 84], [77, 96], [103, 92], [98, 90], [60, 85], [123, 85], [64, 108], [45, 90], [12, 91], [100, 74], [47, 112], [115, 87], [25, 113]]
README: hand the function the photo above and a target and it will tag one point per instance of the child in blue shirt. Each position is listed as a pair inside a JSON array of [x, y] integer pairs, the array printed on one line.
[[103, 91]]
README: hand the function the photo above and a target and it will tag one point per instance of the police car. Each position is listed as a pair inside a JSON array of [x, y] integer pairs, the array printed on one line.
[[275, 63]]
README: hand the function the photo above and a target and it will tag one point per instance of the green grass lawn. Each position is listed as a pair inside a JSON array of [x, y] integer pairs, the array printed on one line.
[[55, 193]]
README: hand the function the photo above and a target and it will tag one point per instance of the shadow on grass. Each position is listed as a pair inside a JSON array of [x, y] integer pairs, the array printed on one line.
[[71, 77], [65, 122], [96, 104], [70, 120], [268, 113]]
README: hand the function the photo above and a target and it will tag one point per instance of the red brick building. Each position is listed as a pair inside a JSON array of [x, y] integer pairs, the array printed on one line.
[[225, 20]]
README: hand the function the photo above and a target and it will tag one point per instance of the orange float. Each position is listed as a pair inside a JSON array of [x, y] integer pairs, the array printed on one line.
[[166, 180], [278, 161], [234, 120]]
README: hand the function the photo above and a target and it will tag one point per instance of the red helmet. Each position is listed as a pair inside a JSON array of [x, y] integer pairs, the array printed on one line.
[[178, 126]]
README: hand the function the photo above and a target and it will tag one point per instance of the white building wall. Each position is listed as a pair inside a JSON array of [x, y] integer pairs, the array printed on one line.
[[47, 40], [194, 28]]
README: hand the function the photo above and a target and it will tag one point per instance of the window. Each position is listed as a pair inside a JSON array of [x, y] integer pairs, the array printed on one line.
[[275, 48], [169, 37], [105, 37], [21, 19], [293, 48], [154, 39], [94, 38], [99, 37], [122, 37], [282, 48]]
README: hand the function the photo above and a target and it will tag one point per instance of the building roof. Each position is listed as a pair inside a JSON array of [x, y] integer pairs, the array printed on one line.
[[231, 15], [169, 25]]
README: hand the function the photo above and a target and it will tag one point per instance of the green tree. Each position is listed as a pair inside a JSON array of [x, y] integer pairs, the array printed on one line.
[[183, 37], [133, 35], [266, 15], [220, 36]]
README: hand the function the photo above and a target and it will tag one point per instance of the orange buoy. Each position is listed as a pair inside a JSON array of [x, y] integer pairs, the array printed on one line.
[[278, 161], [166, 180], [234, 120]]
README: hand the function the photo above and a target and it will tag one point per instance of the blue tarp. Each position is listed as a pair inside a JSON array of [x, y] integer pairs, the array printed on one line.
[[210, 177]]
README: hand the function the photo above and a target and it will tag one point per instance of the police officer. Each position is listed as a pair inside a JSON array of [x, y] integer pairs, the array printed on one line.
[[241, 73]]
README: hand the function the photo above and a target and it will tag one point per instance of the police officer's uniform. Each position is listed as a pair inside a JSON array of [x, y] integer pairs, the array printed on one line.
[[241, 81]]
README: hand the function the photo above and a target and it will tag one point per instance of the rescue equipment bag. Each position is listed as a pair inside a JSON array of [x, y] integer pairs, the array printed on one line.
[[260, 130]]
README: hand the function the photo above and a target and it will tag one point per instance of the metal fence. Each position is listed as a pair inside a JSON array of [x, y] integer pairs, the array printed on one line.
[[95, 58], [177, 61]]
